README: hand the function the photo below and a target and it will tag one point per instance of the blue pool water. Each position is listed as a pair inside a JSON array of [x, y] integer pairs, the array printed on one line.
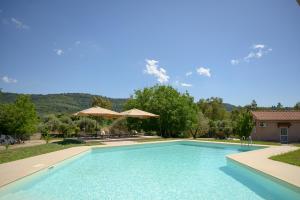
[[175, 170]]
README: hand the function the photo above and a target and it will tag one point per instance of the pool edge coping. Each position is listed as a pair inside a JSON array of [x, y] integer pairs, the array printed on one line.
[[44, 167], [264, 165]]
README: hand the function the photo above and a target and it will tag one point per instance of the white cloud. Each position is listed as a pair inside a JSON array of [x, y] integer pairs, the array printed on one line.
[[249, 56], [204, 71], [59, 52], [19, 24], [258, 51], [6, 79], [186, 85], [234, 62], [160, 73], [178, 83], [188, 73], [258, 46]]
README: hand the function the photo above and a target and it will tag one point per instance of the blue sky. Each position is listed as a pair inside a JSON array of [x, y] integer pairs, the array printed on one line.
[[237, 50]]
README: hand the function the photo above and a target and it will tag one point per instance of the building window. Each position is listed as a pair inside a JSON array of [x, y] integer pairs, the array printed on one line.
[[262, 124]]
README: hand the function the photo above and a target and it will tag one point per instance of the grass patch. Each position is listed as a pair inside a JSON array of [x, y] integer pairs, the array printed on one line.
[[25, 152], [92, 143], [238, 141], [207, 139], [290, 157]]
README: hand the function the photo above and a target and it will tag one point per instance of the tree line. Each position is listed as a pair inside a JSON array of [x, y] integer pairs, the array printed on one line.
[[180, 116]]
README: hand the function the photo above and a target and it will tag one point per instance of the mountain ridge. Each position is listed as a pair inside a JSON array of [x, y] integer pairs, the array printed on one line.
[[69, 102]]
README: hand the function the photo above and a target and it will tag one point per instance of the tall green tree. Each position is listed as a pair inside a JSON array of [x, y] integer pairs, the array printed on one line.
[[19, 119], [177, 111], [26, 116], [244, 124], [6, 119]]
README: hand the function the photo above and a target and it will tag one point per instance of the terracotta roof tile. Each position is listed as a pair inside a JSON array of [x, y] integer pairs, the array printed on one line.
[[277, 115]]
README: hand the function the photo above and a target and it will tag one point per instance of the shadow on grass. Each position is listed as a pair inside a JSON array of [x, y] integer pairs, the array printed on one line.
[[69, 142]]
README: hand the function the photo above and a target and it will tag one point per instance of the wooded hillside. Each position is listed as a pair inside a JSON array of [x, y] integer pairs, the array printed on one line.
[[61, 103]]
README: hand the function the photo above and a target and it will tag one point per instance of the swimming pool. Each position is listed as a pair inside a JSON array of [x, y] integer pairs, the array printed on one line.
[[173, 170]]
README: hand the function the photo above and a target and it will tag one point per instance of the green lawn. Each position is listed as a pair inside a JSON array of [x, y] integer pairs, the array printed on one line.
[[25, 152], [290, 157], [155, 139], [207, 139], [238, 141]]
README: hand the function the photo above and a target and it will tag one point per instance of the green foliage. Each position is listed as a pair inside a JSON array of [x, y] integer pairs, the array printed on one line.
[[44, 129], [177, 111], [52, 123], [69, 141], [66, 125], [67, 103], [18, 119], [102, 102], [252, 106], [223, 128], [47, 138], [87, 124], [25, 116], [297, 106], [244, 124], [213, 108], [200, 126], [279, 106], [220, 128]]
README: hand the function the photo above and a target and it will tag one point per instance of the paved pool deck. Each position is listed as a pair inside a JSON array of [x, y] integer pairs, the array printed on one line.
[[257, 160]]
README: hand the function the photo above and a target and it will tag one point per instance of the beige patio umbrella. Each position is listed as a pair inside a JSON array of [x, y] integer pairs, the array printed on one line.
[[138, 114], [98, 112]]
